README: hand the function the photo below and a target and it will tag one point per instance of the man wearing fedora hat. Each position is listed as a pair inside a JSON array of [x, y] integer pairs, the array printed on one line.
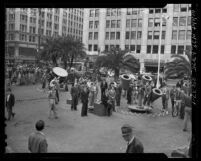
[[134, 144], [10, 101]]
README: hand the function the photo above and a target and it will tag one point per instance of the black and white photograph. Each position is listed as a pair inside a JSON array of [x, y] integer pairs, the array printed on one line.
[[99, 80]]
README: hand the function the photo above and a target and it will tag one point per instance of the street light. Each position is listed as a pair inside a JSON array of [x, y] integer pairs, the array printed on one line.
[[159, 51]]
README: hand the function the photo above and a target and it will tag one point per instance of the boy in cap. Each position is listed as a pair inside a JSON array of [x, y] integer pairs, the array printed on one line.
[[37, 142], [134, 144]]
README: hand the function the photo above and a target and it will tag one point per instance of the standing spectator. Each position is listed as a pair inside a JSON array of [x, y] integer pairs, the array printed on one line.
[[84, 99], [104, 86], [183, 97], [92, 94], [178, 99], [188, 111], [74, 95], [52, 98], [97, 90], [140, 92], [173, 97], [10, 102], [37, 142], [118, 93], [165, 98], [129, 94], [147, 94], [134, 144], [111, 99], [44, 81]]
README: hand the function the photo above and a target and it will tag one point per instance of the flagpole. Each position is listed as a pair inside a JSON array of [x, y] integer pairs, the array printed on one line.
[[159, 52]]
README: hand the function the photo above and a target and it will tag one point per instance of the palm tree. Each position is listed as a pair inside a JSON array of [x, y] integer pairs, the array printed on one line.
[[179, 65], [117, 59]]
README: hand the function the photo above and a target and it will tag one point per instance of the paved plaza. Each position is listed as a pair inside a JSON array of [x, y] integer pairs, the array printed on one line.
[[73, 133]]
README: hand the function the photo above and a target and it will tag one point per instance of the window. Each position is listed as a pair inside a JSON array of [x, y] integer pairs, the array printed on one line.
[[157, 10], [162, 49], [127, 23], [111, 47], [188, 35], [96, 24], [180, 49], [118, 23], [151, 11], [11, 37], [134, 11], [182, 35], [156, 35], [129, 11], [156, 22], [90, 35], [106, 47], [108, 12], [164, 10], [175, 21], [189, 7], [188, 48], [148, 49], [107, 36], [133, 23], [176, 7], [127, 47], [11, 17], [90, 47], [91, 13], [112, 35], [164, 21], [95, 35], [139, 22], [132, 48], [117, 35], [133, 35], [149, 35], [118, 12], [174, 35], [151, 22], [183, 8], [127, 35], [96, 12], [173, 49], [113, 12], [138, 48], [139, 34], [113, 24], [189, 21], [163, 35], [11, 26], [108, 24], [182, 21], [155, 49], [95, 47]]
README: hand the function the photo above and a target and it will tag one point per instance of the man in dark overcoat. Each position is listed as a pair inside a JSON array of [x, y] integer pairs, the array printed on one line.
[[10, 102]]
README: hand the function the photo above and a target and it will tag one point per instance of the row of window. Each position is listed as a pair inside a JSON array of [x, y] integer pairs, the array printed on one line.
[[113, 12], [95, 35], [157, 10], [182, 21], [182, 7], [132, 35], [155, 35], [93, 12], [133, 23], [112, 36], [93, 24], [113, 23], [181, 35], [180, 49], [133, 11]]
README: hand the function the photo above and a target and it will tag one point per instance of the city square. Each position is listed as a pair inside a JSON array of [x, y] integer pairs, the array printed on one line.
[[99, 80]]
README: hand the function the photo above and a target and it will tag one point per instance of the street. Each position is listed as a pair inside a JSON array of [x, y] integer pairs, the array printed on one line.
[[73, 133]]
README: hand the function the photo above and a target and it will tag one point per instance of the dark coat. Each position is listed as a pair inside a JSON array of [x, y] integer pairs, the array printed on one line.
[[37, 143], [11, 101], [104, 86], [85, 96], [135, 147]]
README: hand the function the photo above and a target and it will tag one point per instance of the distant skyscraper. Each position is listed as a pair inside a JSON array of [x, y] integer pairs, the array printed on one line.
[[138, 30], [24, 26]]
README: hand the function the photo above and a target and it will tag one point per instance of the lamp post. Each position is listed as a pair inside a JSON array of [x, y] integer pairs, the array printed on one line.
[[159, 51]]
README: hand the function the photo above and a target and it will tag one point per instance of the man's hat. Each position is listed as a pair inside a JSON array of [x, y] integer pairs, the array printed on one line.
[[126, 129]]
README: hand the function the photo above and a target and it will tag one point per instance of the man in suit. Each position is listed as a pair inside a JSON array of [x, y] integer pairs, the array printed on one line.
[[37, 142], [134, 144], [10, 102], [103, 86], [84, 99], [74, 95]]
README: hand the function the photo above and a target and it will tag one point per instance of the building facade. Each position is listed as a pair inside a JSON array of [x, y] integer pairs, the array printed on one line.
[[26, 28], [139, 31]]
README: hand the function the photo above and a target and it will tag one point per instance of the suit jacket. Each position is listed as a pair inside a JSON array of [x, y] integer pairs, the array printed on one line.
[[11, 101], [104, 86], [37, 143], [135, 147]]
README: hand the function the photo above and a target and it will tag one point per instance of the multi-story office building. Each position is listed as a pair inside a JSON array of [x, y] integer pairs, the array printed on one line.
[[138, 30], [26, 29]]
